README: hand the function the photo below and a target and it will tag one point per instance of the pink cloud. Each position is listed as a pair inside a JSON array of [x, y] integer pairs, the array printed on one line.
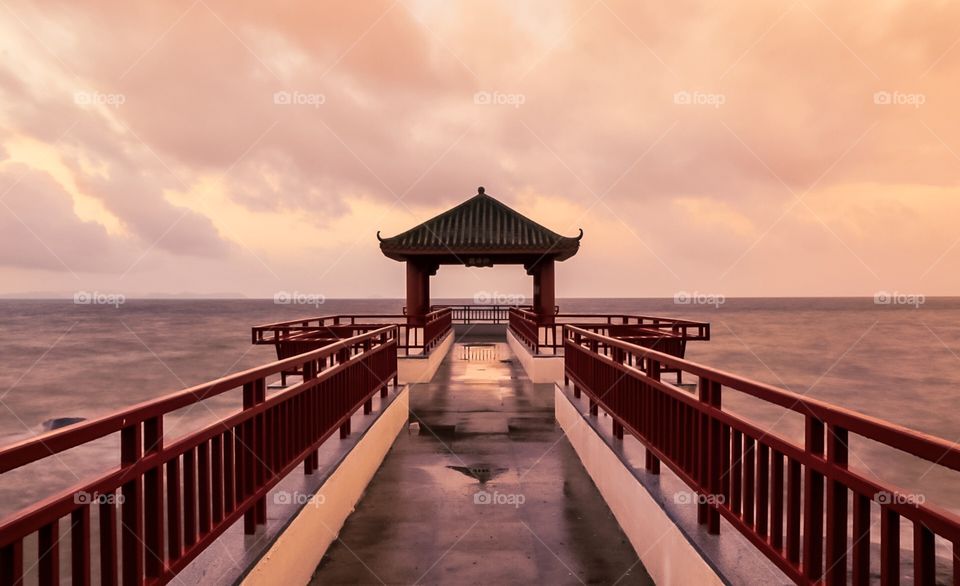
[[598, 83]]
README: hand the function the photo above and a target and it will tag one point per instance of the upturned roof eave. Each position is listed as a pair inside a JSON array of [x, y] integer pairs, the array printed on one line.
[[559, 253], [479, 225]]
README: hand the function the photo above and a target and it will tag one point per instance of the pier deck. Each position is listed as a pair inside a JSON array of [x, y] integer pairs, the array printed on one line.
[[427, 518]]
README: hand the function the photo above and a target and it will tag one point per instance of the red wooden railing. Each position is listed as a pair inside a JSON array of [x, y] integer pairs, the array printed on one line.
[[166, 503], [437, 324], [524, 326], [480, 313], [802, 522], [299, 334], [547, 338]]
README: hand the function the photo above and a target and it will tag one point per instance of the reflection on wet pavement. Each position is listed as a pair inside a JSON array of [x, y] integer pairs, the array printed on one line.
[[483, 473], [482, 489]]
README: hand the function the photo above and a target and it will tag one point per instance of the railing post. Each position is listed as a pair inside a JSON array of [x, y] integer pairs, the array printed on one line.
[[618, 357], [763, 489], [836, 558], [79, 546], [704, 450], [11, 563], [860, 555], [311, 462], [776, 499], [793, 511], [617, 429], [652, 463], [709, 512], [131, 450], [108, 542], [925, 555], [254, 473], [216, 464], [813, 502], [260, 389], [153, 499], [889, 546], [48, 553]]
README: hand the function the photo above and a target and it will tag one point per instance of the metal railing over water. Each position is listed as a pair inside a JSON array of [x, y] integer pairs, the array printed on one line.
[[802, 522], [164, 504]]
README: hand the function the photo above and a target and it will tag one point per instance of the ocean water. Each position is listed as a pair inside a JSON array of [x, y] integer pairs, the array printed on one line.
[[898, 363]]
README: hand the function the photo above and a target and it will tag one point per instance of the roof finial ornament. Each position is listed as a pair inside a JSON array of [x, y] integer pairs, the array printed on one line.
[[480, 190], [580, 237], [378, 236]]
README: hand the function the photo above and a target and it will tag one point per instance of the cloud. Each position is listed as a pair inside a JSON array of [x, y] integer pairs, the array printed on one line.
[[39, 230], [789, 107]]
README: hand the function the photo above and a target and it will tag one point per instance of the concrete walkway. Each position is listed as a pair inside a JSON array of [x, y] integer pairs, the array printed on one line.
[[483, 489]]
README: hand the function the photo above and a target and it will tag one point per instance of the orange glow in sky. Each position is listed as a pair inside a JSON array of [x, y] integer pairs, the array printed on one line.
[[216, 147]]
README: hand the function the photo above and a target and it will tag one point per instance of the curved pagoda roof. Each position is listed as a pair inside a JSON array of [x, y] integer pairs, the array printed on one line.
[[480, 226]]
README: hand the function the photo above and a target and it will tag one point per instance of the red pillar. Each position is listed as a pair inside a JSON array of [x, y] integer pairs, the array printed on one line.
[[545, 299], [416, 278], [536, 289], [418, 291], [425, 289]]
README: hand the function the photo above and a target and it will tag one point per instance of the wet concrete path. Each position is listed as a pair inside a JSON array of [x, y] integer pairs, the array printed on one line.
[[482, 489]]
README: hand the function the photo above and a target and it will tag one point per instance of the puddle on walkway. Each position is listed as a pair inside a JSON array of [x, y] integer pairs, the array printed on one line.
[[480, 472]]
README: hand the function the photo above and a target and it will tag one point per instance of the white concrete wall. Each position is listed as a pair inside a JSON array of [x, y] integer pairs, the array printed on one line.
[[666, 553], [295, 554], [539, 369], [420, 369]]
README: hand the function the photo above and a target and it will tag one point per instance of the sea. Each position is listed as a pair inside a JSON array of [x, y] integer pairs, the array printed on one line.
[[899, 362]]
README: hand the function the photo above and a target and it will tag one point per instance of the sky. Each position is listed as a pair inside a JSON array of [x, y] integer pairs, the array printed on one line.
[[745, 148]]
